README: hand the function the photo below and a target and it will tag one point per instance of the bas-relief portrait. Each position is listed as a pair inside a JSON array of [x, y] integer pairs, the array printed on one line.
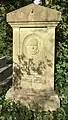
[[31, 45]]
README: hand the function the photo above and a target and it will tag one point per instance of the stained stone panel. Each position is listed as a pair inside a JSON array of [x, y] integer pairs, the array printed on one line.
[[37, 46]]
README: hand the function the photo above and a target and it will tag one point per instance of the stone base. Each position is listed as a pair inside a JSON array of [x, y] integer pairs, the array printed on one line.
[[41, 100]]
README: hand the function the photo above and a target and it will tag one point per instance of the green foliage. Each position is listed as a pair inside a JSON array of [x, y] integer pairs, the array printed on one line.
[[8, 109], [5, 35]]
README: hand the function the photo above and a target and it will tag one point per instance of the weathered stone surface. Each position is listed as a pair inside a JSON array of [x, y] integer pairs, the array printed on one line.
[[33, 56], [42, 100], [34, 13]]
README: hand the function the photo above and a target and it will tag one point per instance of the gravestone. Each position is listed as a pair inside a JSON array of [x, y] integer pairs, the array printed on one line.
[[34, 56]]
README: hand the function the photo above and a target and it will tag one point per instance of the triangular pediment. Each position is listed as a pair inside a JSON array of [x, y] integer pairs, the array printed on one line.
[[34, 13]]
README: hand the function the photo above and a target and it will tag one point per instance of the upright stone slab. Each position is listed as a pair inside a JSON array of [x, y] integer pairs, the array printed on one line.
[[33, 56]]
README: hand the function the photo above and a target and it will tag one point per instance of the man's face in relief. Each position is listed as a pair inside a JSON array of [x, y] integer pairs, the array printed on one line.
[[32, 46]]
